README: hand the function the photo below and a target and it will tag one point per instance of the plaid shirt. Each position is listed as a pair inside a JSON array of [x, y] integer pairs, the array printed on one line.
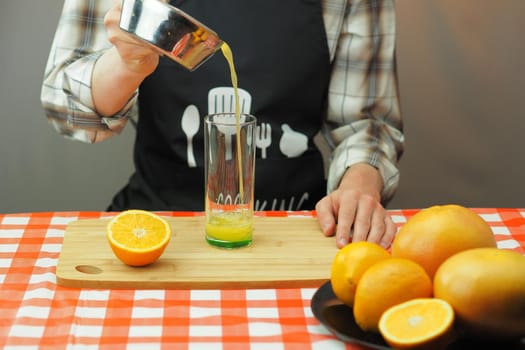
[[363, 119]]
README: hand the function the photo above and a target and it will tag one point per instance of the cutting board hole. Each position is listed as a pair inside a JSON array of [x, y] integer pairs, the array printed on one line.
[[88, 269]]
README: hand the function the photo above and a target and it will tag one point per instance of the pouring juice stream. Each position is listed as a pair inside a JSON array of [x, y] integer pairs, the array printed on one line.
[[234, 226], [228, 55]]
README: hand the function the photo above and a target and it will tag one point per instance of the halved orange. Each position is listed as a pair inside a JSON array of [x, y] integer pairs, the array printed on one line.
[[138, 237], [424, 323]]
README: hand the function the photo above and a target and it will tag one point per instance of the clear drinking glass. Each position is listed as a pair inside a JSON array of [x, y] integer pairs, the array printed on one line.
[[229, 176]]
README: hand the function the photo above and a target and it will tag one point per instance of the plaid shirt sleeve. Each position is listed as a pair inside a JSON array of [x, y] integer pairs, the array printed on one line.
[[363, 122], [79, 41]]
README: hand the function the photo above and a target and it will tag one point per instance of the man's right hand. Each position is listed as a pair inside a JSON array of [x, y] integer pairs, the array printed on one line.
[[136, 56], [119, 72]]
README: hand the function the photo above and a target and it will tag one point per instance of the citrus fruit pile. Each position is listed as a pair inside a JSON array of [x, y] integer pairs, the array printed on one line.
[[138, 237], [444, 270]]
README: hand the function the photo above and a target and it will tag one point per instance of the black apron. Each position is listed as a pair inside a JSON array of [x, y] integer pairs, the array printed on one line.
[[282, 61]]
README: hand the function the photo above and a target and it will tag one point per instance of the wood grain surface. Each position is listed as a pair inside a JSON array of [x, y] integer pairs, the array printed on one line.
[[286, 252]]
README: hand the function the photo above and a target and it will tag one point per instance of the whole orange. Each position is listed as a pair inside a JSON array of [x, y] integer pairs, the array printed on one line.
[[486, 288], [387, 283], [438, 232], [349, 264]]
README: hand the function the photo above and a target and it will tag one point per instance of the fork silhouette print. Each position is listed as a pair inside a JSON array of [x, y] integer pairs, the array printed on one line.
[[263, 138]]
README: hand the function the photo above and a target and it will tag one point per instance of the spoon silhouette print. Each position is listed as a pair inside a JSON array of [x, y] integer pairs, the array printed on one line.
[[190, 125]]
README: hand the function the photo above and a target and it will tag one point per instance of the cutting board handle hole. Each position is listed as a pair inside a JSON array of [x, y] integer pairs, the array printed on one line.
[[89, 269]]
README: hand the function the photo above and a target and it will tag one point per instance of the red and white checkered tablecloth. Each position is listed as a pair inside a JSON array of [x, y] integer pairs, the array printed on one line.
[[37, 313]]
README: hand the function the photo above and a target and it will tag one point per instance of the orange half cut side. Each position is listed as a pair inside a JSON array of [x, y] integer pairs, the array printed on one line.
[[138, 237], [424, 323]]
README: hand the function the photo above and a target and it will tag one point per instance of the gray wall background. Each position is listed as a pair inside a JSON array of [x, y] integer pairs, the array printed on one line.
[[462, 88]]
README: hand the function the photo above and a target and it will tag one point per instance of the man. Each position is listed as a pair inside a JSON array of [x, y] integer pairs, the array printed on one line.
[[323, 71]]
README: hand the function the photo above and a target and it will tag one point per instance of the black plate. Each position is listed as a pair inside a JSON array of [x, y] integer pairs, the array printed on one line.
[[339, 320]]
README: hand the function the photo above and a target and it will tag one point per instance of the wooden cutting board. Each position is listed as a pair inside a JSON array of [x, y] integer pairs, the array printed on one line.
[[286, 252]]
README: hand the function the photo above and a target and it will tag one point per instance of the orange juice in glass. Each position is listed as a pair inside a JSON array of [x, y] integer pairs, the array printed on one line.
[[229, 142]]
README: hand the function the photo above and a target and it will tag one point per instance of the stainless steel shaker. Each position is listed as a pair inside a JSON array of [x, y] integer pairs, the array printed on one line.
[[169, 30]]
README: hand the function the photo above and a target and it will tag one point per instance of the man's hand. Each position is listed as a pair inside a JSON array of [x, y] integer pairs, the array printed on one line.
[[354, 210], [120, 70], [136, 56]]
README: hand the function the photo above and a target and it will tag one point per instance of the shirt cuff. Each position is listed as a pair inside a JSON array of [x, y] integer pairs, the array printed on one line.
[[80, 74], [343, 159]]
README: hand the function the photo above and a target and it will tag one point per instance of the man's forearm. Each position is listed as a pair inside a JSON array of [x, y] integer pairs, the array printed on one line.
[[112, 83]]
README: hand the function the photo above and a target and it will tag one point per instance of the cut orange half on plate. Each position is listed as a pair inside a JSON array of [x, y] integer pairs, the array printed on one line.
[[138, 237], [423, 323]]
